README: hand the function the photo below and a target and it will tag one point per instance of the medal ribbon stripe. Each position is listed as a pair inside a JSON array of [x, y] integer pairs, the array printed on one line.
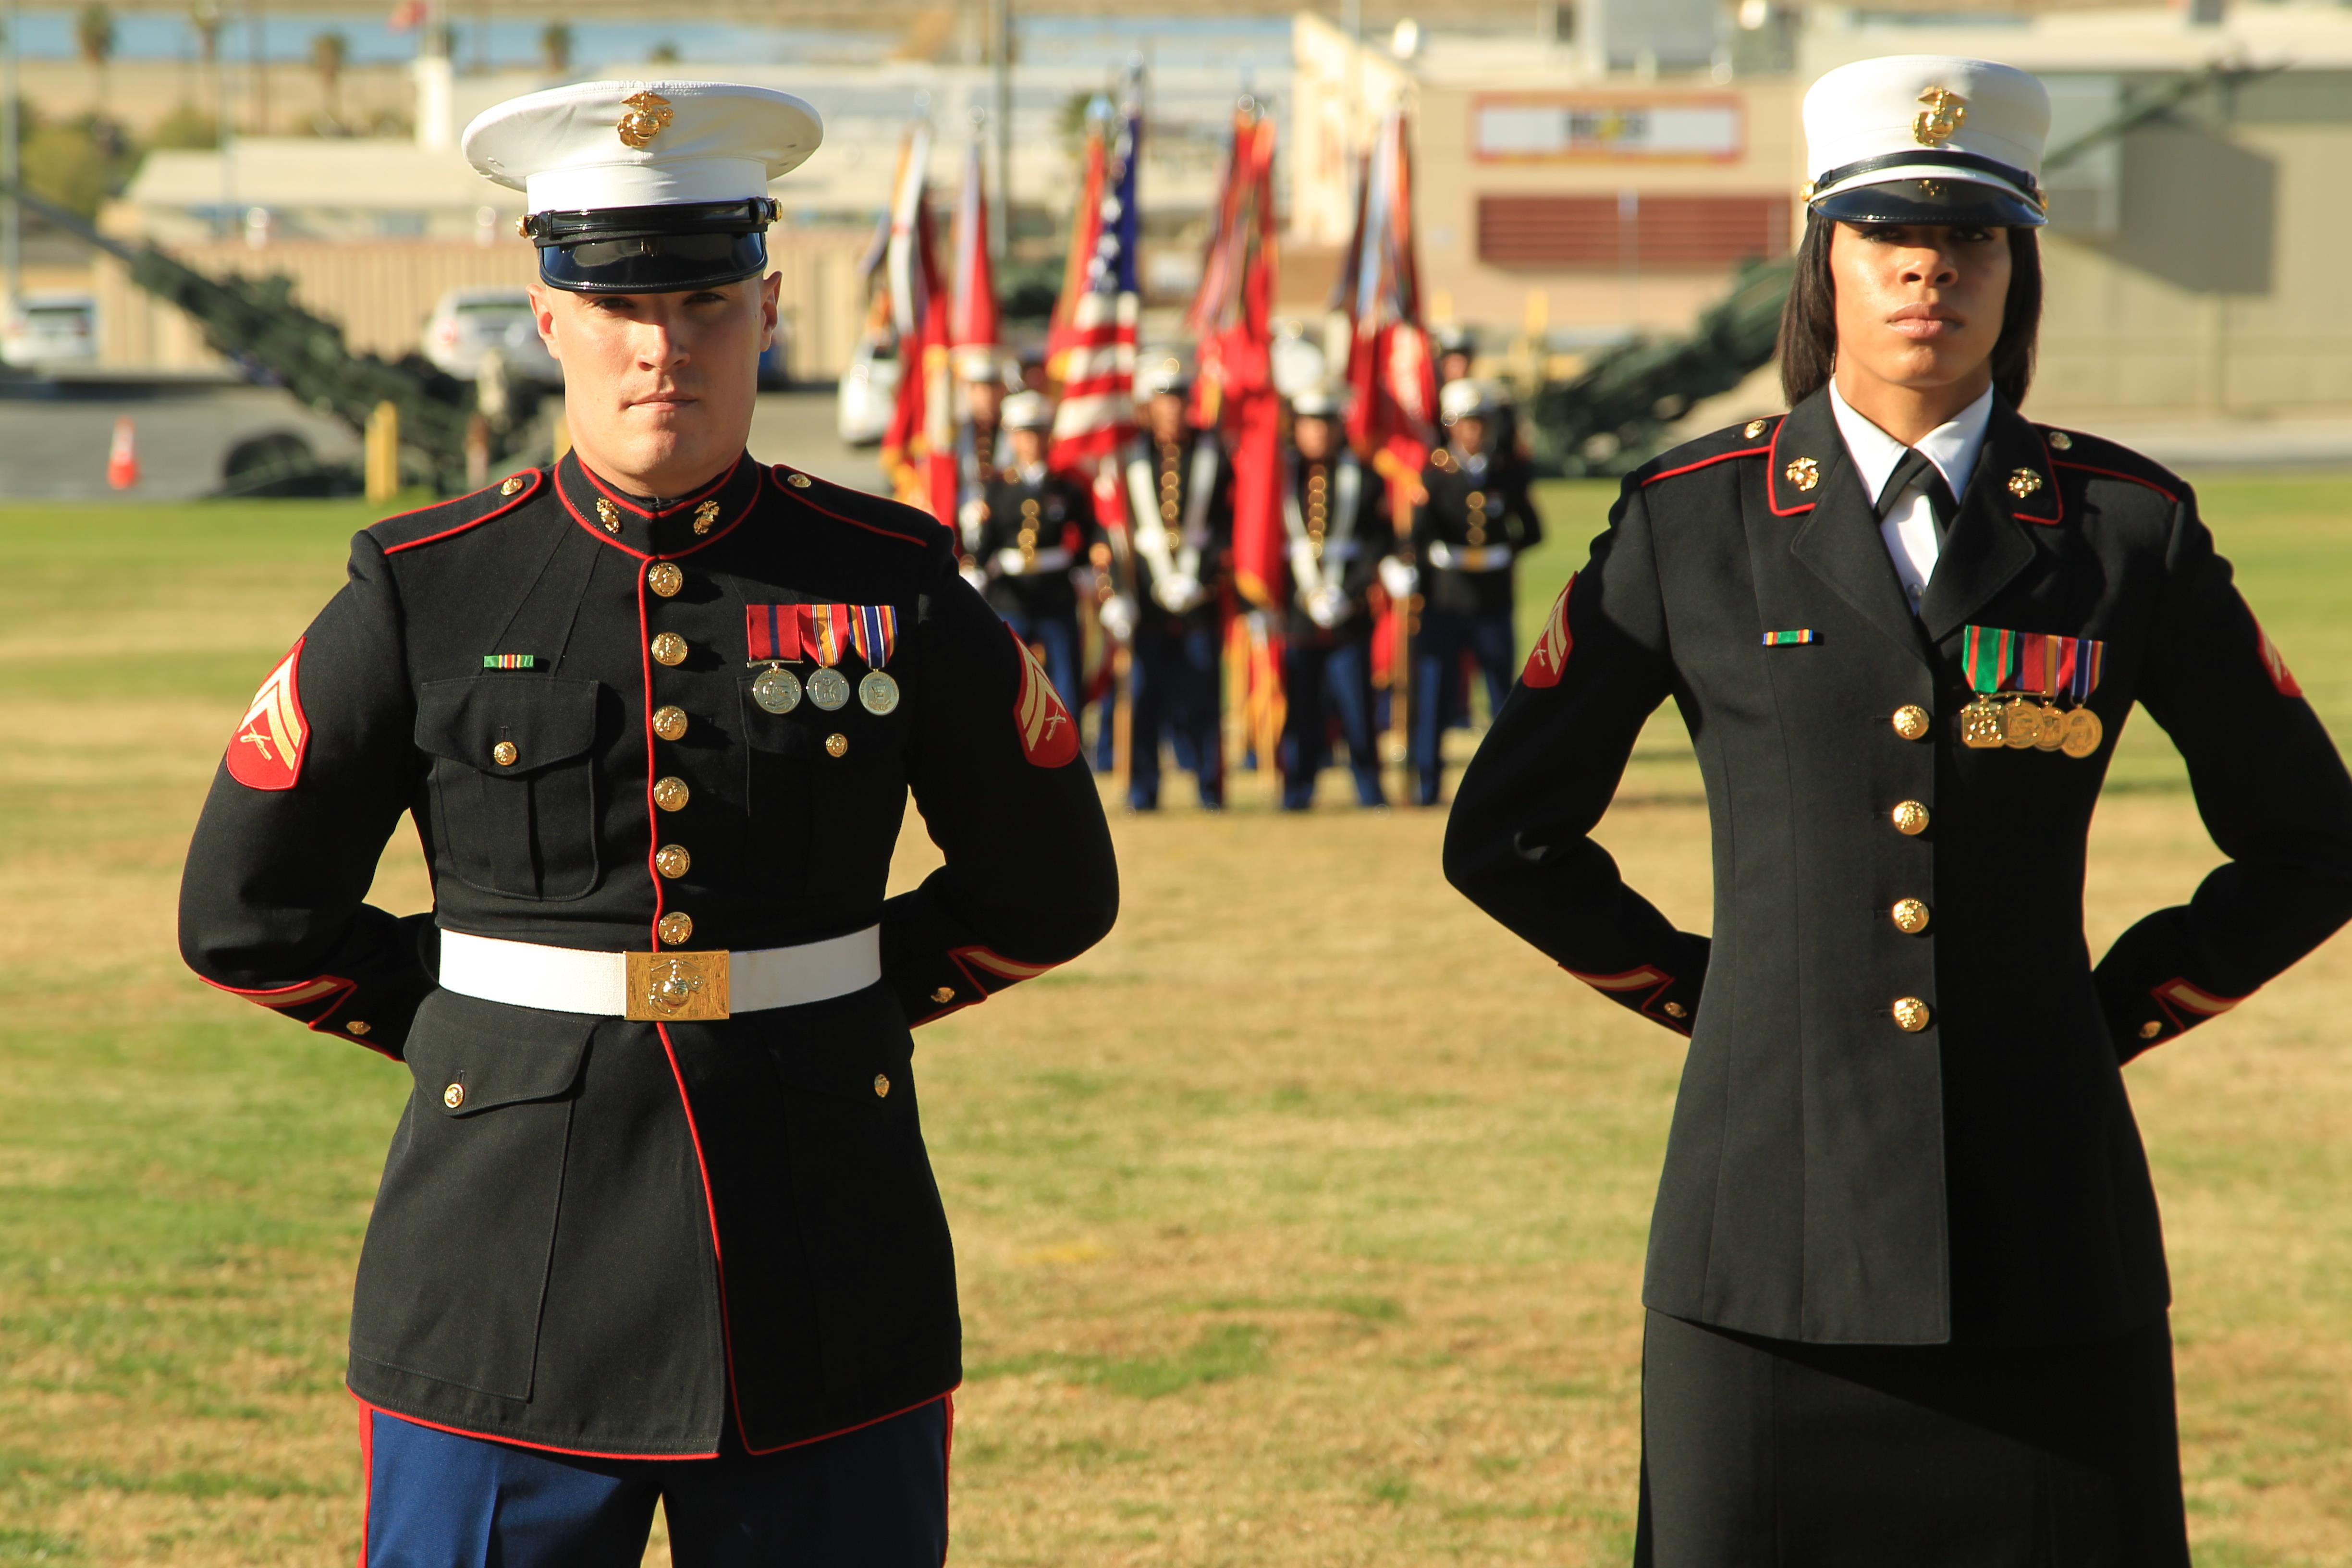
[[876, 629], [1985, 656], [822, 626], [510, 661], [1796, 638], [772, 632]]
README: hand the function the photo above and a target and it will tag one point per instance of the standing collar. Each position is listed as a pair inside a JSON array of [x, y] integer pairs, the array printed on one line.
[[1953, 445], [673, 527]]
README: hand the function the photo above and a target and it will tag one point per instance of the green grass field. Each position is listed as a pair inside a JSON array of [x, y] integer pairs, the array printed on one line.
[[1299, 1223]]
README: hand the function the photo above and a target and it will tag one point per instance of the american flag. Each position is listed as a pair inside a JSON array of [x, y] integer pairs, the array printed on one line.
[[1093, 344]]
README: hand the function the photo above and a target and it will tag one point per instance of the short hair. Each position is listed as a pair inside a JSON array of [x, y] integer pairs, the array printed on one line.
[[1808, 346]]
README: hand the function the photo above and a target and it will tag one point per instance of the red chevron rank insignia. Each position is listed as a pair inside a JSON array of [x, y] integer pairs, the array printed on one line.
[[1049, 736], [1547, 660], [267, 751], [2281, 675]]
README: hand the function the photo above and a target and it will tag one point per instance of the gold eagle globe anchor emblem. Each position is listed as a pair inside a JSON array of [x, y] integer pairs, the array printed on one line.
[[1946, 112], [649, 116]]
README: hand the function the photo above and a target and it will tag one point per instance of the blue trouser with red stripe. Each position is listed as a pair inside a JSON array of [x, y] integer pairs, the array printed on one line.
[[873, 1498]]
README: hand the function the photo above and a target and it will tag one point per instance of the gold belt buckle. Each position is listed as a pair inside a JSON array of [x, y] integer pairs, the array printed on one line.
[[676, 987]]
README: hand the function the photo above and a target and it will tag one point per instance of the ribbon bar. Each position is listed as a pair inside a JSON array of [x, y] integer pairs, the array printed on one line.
[[772, 632]]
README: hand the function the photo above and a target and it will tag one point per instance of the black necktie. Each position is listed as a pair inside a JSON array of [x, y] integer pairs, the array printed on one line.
[[1917, 465]]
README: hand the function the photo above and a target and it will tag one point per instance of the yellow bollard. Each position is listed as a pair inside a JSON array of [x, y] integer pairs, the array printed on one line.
[[382, 447]]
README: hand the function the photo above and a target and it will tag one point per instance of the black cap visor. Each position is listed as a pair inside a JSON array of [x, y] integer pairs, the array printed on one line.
[[652, 251], [1944, 203]]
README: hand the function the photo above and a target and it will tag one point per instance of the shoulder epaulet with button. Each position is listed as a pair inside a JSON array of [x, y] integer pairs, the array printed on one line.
[[1443, 461], [2101, 458], [459, 514], [860, 509], [1752, 439]]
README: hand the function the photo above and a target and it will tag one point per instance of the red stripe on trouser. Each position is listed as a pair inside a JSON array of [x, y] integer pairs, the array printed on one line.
[[367, 1478], [947, 1478]]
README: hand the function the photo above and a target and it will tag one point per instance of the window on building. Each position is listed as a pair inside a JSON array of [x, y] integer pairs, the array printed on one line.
[[1630, 228]]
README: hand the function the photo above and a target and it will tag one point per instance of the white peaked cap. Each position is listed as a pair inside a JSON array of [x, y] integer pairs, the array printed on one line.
[[1940, 119], [600, 144], [1463, 399], [1315, 403], [1027, 411]]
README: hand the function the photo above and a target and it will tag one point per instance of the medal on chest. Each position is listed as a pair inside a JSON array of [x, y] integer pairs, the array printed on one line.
[[824, 634], [2037, 670]]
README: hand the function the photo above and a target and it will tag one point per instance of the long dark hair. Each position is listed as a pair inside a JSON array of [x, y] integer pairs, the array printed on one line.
[[1809, 321]]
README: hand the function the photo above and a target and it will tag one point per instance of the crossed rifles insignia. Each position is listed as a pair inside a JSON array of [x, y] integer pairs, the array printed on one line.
[[649, 116]]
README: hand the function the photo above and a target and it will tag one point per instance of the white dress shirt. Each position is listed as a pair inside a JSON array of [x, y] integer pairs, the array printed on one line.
[[1909, 526]]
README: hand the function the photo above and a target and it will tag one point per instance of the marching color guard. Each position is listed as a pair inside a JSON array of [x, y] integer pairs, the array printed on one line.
[[657, 1224], [1035, 527], [1336, 519], [1906, 1286], [1468, 532]]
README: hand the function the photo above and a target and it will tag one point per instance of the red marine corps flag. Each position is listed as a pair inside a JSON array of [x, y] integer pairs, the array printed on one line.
[[266, 752], [971, 320], [918, 451]]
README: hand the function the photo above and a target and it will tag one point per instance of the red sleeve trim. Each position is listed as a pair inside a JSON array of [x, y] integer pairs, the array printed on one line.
[[332, 989], [793, 492], [538, 477], [1643, 990], [1010, 970], [1649, 974], [1707, 463], [2119, 474]]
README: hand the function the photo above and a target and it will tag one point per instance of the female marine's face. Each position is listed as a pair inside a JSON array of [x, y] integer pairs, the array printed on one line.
[[1918, 306]]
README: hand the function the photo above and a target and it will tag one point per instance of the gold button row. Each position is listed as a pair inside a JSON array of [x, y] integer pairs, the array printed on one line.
[[1911, 1014], [665, 577], [1911, 722], [1910, 916], [671, 793], [1910, 818]]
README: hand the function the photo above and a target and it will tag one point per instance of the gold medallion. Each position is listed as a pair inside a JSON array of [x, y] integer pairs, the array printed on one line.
[[705, 515], [1804, 473], [1946, 112], [2083, 733], [878, 692], [649, 116], [828, 687], [669, 722], [777, 690], [665, 578], [1981, 728], [676, 927], [2023, 483], [2021, 724], [1753, 428], [609, 515], [511, 484], [2053, 731]]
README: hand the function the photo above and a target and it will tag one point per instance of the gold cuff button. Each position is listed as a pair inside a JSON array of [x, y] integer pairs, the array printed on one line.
[[1910, 916], [2150, 1029], [670, 724], [944, 994], [1911, 722], [1911, 1014], [676, 927], [504, 753], [665, 578], [669, 648], [881, 1085], [1910, 819], [1675, 1010], [454, 1096], [837, 744], [671, 793], [356, 1027], [672, 860]]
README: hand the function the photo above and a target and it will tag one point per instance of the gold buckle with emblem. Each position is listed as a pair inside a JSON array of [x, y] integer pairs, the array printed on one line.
[[676, 987]]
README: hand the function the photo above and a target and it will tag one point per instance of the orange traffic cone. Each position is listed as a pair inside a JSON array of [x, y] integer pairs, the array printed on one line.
[[122, 457]]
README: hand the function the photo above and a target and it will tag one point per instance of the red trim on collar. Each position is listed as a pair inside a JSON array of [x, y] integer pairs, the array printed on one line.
[[601, 537], [1772, 477], [1707, 463], [2119, 474], [2057, 497], [776, 477], [617, 498], [538, 477]]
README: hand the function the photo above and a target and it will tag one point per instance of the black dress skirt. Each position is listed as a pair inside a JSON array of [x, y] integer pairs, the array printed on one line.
[[1760, 1453]]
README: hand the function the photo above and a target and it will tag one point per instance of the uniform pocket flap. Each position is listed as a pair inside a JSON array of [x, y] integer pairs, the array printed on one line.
[[857, 1046], [471, 1056], [507, 724]]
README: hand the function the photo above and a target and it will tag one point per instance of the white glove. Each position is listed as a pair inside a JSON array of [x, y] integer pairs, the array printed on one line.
[[976, 577], [1326, 606], [1117, 617], [1177, 592], [1398, 578]]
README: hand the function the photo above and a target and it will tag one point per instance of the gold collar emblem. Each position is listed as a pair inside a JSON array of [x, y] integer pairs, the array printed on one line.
[[649, 116], [1946, 112], [2023, 483], [1804, 473], [705, 515]]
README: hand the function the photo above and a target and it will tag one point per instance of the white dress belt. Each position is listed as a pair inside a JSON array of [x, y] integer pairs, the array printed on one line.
[[681, 986], [1468, 557]]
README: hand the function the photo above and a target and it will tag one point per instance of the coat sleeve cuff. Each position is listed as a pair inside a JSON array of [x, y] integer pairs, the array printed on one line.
[[1649, 990]]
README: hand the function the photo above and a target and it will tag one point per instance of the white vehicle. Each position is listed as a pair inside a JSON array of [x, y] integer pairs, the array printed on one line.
[[49, 329], [470, 322], [869, 390]]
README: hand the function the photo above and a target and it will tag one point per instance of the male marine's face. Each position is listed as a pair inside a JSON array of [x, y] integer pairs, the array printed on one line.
[[658, 389]]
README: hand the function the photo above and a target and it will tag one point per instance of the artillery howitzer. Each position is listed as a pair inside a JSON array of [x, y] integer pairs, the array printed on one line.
[[255, 322]]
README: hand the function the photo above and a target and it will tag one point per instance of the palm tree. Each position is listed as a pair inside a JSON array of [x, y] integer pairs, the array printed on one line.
[[329, 50], [555, 49], [94, 39]]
